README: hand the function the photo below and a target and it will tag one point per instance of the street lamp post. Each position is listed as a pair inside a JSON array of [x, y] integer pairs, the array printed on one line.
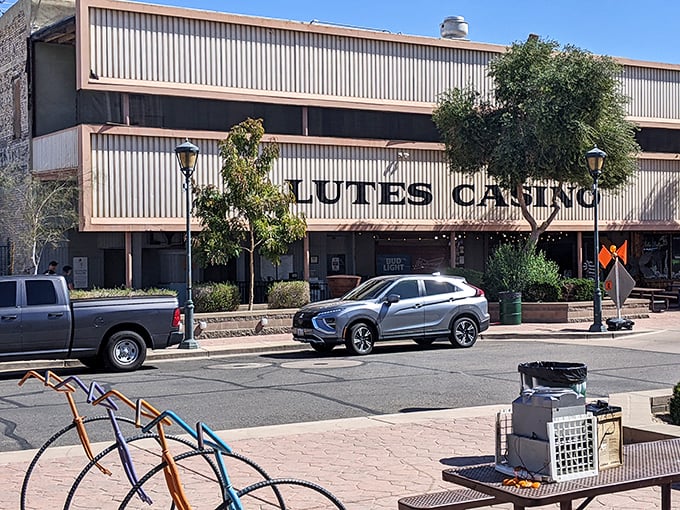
[[595, 158], [187, 154]]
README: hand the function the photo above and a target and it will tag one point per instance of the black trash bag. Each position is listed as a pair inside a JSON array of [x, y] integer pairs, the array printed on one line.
[[558, 373]]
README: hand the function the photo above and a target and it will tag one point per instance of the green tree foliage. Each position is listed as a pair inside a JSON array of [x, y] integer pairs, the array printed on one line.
[[249, 213], [550, 106], [35, 214]]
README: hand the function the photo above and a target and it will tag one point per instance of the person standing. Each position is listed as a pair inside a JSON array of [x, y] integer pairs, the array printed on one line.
[[52, 267], [66, 273]]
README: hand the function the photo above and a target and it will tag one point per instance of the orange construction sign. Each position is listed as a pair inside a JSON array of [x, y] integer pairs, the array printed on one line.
[[606, 255], [622, 252]]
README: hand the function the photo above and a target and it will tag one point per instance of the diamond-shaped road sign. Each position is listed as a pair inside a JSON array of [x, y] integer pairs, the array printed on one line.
[[618, 284]]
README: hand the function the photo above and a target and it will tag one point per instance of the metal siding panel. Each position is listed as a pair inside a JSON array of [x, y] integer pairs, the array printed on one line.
[[135, 177], [144, 47], [55, 151], [655, 93]]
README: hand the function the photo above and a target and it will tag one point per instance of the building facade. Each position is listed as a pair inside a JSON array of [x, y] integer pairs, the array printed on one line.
[[108, 91]]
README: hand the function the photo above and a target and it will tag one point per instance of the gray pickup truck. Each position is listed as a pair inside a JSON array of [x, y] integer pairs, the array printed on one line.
[[38, 320]]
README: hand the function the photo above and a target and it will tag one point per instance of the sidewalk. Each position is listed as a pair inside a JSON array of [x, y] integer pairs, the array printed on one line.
[[368, 463]]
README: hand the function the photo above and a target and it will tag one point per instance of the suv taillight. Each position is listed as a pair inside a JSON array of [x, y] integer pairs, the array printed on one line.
[[478, 292], [175, 318]]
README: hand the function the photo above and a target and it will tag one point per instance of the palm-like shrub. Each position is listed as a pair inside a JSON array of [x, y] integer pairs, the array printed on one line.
[[674, 405], [521, 268]]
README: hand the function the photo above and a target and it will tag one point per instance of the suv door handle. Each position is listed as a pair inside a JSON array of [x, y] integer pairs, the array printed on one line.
[[55, 315], [417, 305], [9, 317]]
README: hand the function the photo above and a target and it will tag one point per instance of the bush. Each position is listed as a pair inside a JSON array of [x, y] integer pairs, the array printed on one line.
[[293, 294], [472, 276], [542, 291], [216, 297], [577, 289], [519, 268], [119, 292], [674, 405]]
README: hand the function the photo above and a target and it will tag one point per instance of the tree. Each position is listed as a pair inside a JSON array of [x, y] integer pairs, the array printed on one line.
[[250, 213], [35, 213], [550, 106]]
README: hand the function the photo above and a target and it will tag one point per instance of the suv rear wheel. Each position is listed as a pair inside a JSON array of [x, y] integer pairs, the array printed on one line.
[[360, 339], [464, 332]]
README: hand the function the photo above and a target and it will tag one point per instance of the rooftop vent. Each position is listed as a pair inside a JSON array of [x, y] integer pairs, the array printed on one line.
[[454, 27]]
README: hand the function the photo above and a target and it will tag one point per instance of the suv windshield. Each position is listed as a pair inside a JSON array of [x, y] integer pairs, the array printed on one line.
[[369, 290]]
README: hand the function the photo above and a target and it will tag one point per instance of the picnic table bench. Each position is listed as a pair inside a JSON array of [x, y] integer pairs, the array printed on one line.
[[644, 465], [659, 299]]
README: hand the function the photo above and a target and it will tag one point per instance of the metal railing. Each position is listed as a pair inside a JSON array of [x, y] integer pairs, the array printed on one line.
[[318, 291]]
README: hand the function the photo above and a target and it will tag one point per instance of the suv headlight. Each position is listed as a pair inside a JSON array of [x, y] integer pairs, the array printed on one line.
[[325, 321]]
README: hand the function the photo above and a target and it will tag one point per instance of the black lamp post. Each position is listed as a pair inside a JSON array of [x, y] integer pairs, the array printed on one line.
[[595, 158], [187, 154]]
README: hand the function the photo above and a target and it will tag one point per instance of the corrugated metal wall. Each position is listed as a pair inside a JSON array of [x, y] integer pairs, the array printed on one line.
[[159, 49], [138, 177], [153, 48], [655, 92], [56, 151]]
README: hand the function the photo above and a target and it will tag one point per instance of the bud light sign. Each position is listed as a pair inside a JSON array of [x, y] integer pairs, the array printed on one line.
[[393, 264]]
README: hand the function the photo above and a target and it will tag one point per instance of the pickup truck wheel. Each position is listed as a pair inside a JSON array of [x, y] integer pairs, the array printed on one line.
[[360, 339], [125, 351], [464, 332]]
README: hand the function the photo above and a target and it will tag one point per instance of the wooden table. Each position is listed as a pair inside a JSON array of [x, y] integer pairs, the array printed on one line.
[[644, 465], [654, 294]]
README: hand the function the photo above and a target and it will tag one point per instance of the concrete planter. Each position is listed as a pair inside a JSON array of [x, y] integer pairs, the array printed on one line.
[[573, 311]]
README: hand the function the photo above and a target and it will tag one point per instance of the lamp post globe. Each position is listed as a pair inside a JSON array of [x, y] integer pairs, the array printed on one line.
[[187, 156], [595, 159]]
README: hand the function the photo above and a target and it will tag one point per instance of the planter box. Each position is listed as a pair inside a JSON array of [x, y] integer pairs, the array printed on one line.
[[574, 311], [341, 284]]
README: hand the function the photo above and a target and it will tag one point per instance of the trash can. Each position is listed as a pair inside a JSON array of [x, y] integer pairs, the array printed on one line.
[[553, 374], [510, 304]]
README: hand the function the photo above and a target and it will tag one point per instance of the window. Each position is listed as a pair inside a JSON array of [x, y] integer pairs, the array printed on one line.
[[406, 289], [40, 292], [8, 294], [16, 108], [434, 287]]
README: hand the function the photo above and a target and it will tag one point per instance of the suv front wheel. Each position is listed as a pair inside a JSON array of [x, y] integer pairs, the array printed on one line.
[[464, 332], [360, 339]]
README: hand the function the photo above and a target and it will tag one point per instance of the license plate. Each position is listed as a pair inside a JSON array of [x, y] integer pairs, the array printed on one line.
[[299, 332]]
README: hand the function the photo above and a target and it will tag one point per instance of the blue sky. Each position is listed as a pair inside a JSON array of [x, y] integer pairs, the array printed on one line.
[[642, 30]]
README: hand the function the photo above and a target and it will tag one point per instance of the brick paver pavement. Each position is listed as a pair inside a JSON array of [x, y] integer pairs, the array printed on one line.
[[369, 463]]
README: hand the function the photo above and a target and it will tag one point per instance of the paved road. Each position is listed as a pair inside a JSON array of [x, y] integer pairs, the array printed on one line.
[[290, 387]]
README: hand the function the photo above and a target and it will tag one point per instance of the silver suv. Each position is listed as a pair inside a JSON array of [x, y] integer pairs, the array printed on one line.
[[418, 307]]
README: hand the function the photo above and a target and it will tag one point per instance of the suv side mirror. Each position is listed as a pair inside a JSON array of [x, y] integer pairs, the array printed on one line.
[[393, 298]]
